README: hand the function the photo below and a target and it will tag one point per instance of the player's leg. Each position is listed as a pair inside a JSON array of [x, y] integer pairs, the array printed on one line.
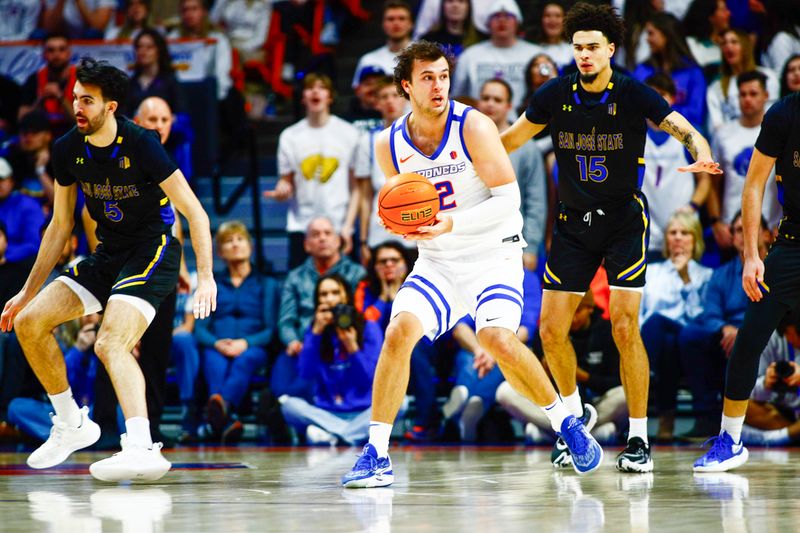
[[496, 287], [558, 308], [72, 428], [524, 372], [635, 376], [149, 273], [374, 468], [56, 304], [760, 320], [125, 321], [421, 307], [625, 251], [568, 272]]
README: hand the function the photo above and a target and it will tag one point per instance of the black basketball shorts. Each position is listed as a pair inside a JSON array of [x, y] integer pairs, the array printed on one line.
[[583, 240], [143, 275]]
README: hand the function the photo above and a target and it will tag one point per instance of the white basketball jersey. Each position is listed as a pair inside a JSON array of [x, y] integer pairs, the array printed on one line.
[[451, 171], [666, 189]]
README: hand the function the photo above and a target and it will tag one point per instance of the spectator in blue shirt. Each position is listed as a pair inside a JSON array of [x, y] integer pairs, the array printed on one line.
[[339, 355], [22, 217], [708, 340], [234, 339], [672, 298], [323, 246], [670, 54]]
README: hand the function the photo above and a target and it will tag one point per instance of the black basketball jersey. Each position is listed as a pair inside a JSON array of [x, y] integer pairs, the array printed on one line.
[[120, 182], [780, 138], [598, 138]]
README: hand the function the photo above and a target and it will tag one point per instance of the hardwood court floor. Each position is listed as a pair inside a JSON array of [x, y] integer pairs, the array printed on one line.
[[508, 489]]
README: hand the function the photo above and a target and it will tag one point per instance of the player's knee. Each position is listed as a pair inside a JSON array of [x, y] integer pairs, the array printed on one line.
[[28, 324], [105, 347], [402, 334], [500, 342], [624, 328], [552, 332]]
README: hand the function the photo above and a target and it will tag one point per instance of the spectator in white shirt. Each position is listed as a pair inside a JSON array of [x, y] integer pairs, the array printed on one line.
[[722, 95], [196, 24], [315, 161], [503, 56], [81, 19], [398, 22]]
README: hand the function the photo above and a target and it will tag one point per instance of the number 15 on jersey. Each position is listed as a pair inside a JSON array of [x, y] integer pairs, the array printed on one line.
[[591, 167]]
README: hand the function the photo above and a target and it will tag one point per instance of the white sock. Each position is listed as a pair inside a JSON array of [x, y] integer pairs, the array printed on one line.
[[557, 412], [138, 429], [638, 428], [573, 403], [379, 433], [65, 407], [733, 425]]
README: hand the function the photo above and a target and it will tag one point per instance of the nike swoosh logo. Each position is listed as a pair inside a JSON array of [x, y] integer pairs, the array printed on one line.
[[491, 319], [406, 159]]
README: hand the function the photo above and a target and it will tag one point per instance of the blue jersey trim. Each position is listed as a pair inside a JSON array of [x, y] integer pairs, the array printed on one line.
[[442, 143], [391, 146], [499, 296], [436, 310], [500, 286], [438, 293], [463, 119]]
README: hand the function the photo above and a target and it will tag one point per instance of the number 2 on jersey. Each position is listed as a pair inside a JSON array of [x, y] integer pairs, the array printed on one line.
[[445, 189], [112, 212], [592, 168]]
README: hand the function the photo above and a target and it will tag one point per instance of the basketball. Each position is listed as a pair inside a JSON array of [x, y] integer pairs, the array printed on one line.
[[406, 202]]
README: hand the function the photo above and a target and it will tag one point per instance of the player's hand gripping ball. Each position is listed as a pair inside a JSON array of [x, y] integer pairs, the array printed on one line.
[[406, 202]]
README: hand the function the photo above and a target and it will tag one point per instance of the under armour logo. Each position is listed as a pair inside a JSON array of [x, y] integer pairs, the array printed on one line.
[[78, 160], [566, 107], [562, 216]]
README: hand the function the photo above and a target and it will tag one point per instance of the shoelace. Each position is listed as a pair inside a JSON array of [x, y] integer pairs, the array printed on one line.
[[57, 430], [717, 448], [365, 462], [578, 441]]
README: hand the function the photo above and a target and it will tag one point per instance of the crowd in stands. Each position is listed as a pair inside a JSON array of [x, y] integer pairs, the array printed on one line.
[[297, 350]]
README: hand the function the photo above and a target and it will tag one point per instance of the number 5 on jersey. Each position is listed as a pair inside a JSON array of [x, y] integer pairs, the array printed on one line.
[[592, 168], [112, 211]]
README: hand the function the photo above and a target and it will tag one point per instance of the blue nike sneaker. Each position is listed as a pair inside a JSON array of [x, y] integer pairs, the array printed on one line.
[[723, 455], [369, 471], [560, 456], [587, 455]]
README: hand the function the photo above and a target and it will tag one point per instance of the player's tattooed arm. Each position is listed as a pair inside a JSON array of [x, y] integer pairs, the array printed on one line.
[[686, 136], [676, 125]]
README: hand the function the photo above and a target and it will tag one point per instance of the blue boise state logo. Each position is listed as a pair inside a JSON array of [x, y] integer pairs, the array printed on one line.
[[742, 161]]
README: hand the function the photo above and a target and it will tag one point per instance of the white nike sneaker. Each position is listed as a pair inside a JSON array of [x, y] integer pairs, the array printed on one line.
[[64, 440], [133, 463]]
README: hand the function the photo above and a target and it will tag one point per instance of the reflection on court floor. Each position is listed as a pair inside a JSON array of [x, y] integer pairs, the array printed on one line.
[[498, 489]]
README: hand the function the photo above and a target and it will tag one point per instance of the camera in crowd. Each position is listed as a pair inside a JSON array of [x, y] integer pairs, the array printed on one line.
[[343, 316], [783, 369]]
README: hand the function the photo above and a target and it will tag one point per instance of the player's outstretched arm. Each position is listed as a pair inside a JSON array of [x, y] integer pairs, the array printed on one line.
[[520, 132], [182, 197], [752, 198], [53, 241], [676, 125]]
